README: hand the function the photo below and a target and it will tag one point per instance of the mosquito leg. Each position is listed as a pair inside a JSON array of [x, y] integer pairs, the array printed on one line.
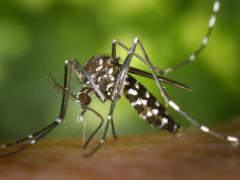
[[175, 107], [29, 136], [113, 130], [102, 140], [25, 146], [114, 44], [81, 119], [205, 129], [194, 55], [139, 57], [114, 56], [79, 69], [6, 154], [32, 139], [232, 139], [97, 129], [114, 51], [118, 87], [81, 115], [121, 78], [120, 44]]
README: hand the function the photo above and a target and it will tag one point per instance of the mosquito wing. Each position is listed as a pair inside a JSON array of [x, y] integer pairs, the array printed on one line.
[[139, 72]]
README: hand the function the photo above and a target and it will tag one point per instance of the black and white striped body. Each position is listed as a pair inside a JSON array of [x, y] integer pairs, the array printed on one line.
[[147, 106], [104, 72]]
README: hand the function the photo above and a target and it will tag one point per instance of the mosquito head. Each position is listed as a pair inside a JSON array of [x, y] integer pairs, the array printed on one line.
[[83, 98]]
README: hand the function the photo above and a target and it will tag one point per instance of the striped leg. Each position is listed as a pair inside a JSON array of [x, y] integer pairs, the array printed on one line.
[[193, 56], [174, 106], [232, 139], [33, 138]]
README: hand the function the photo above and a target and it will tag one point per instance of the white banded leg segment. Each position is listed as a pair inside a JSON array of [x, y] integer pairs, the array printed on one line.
[[216, 6], [205, 41], [33, 141], [58, 120], [66, 62], [109, 117], [80, 118], [30, 136], [195, 54], [132, 50], [204, 129], [212, 21], [174, 105], [233, 139], [192, 57], [136, 40]]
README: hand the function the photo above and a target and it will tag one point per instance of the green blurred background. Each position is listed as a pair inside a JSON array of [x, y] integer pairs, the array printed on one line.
[[36, 36]]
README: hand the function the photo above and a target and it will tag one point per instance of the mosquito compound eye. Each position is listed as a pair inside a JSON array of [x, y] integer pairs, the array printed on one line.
[[83, 98]]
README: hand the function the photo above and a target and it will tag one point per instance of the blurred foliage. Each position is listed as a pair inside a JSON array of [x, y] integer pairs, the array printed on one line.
[[36, 36]]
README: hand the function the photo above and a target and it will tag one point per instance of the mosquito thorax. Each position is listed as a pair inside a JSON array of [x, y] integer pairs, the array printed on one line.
[[103, 72]]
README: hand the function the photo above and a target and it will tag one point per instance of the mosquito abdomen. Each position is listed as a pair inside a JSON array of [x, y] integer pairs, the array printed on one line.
[[147, 106]]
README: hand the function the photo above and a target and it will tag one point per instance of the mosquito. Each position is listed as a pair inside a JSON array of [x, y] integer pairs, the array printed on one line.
[[108, 79]]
